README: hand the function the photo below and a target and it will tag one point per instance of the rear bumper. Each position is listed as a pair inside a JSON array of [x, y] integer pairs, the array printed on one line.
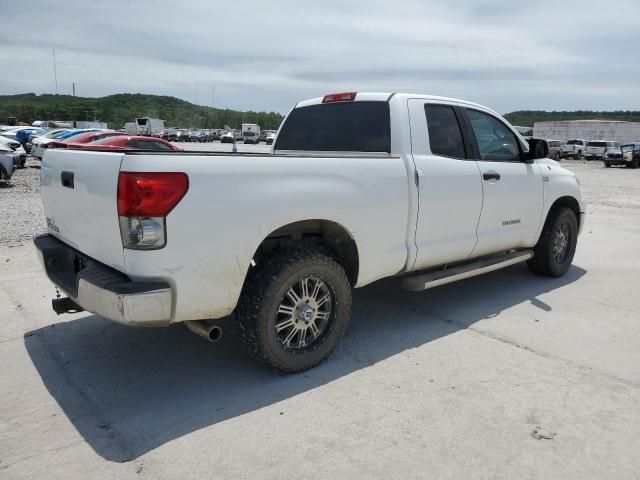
[[103, 290]]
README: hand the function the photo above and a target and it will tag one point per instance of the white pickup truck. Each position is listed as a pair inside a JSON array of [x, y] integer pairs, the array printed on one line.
[[573, 148], [358, 187]]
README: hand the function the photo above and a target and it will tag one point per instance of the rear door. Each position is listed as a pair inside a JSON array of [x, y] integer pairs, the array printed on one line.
[[79, 192], [449, 185], [513, 190]]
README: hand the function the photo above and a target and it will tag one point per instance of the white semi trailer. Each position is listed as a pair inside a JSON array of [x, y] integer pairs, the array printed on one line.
[[149, 126]]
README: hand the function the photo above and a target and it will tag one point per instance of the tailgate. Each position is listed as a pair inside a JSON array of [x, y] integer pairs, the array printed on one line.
[[79, 192]]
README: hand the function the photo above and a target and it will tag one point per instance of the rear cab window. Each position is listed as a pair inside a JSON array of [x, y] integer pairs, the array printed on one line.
[[360, 126], [445, 134]]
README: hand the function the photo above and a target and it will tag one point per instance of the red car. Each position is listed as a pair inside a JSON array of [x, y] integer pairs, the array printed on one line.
[[126, 142]]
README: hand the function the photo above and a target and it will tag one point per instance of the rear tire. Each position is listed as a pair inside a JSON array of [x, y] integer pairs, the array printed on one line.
[[557, 156], [280, 322], [634, 163], [607, 164], [556, 247]]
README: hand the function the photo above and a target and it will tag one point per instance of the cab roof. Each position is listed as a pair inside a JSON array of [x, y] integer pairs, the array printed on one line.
[[388, 96]]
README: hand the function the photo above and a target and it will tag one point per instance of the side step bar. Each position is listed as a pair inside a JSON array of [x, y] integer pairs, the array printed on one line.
[[468, 270]]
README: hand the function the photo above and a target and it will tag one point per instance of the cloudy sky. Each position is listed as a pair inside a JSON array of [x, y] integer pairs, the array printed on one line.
[[543, 54]]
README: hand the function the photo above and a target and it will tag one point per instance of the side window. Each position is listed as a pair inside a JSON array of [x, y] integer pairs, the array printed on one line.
[[445, 136], [496, 142]]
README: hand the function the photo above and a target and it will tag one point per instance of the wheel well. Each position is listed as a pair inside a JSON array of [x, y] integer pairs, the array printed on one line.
[[568, 202], [329, 236]]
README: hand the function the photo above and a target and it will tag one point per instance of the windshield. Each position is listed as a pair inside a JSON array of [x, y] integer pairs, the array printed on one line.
[[338, 127], [574, 142]]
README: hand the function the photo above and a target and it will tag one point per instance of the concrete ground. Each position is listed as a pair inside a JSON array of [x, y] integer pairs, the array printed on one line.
[[502, 376]]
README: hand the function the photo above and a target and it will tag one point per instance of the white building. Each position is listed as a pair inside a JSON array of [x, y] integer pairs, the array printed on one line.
[[616, 131]]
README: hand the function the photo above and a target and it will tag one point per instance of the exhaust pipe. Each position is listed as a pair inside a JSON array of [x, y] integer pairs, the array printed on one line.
[[205, 329]]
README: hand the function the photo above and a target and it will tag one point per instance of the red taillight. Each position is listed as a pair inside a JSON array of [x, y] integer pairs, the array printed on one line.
[[339, 97], [147, 194]]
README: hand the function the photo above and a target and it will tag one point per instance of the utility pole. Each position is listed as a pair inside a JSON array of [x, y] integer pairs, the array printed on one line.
[[213, 96], [74, 89], [55, 71], [196, 93]]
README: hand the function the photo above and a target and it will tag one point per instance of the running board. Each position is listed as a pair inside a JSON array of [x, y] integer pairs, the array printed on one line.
[[478, 267]]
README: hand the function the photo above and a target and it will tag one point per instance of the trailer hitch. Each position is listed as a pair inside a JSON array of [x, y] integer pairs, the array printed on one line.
[[65, 305]]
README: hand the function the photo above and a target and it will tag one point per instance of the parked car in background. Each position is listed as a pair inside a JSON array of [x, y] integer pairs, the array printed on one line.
[[555, 149], [195, 136], [228, 137], [182, 136], [169, 134], [38, 143], [629, 156], [573, 148], [613, 156], [49, 134], [127, 142], [89, 137], [597, 148], [270, 138], [20, 157], [23, 135], [39, 149], [7, 162]]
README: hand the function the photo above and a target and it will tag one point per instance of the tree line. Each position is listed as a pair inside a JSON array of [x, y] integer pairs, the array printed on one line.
[[125, 107]]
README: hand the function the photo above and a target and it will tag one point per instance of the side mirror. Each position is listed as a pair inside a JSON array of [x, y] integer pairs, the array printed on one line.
[[538, 148]]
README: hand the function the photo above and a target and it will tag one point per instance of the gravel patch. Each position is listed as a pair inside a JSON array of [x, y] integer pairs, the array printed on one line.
[[22, 212]]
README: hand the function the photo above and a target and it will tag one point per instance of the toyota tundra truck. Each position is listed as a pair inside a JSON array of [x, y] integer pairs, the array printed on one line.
[[358, 187], [573, 148]]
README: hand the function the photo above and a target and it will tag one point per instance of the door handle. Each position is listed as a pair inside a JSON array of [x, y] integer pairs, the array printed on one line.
[[67, 179], [491, 175]]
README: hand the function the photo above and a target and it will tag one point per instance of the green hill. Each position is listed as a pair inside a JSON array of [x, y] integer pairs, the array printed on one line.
[[125, 107], [527, 118]]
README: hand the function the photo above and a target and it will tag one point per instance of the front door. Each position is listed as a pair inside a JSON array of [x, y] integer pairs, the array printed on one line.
[[513, 190], [449, 184]]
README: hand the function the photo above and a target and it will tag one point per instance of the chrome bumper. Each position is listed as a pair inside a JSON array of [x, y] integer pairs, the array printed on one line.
[[102, 290]]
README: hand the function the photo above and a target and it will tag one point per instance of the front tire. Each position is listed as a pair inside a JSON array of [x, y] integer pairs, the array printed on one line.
[[557, 156], [578, 155], [294, 308], [556, 247], [607, 165]]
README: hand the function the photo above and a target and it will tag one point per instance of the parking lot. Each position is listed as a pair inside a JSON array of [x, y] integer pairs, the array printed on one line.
[[506, 375]]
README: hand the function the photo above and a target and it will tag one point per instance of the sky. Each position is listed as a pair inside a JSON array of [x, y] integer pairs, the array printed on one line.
[[246, 55]]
